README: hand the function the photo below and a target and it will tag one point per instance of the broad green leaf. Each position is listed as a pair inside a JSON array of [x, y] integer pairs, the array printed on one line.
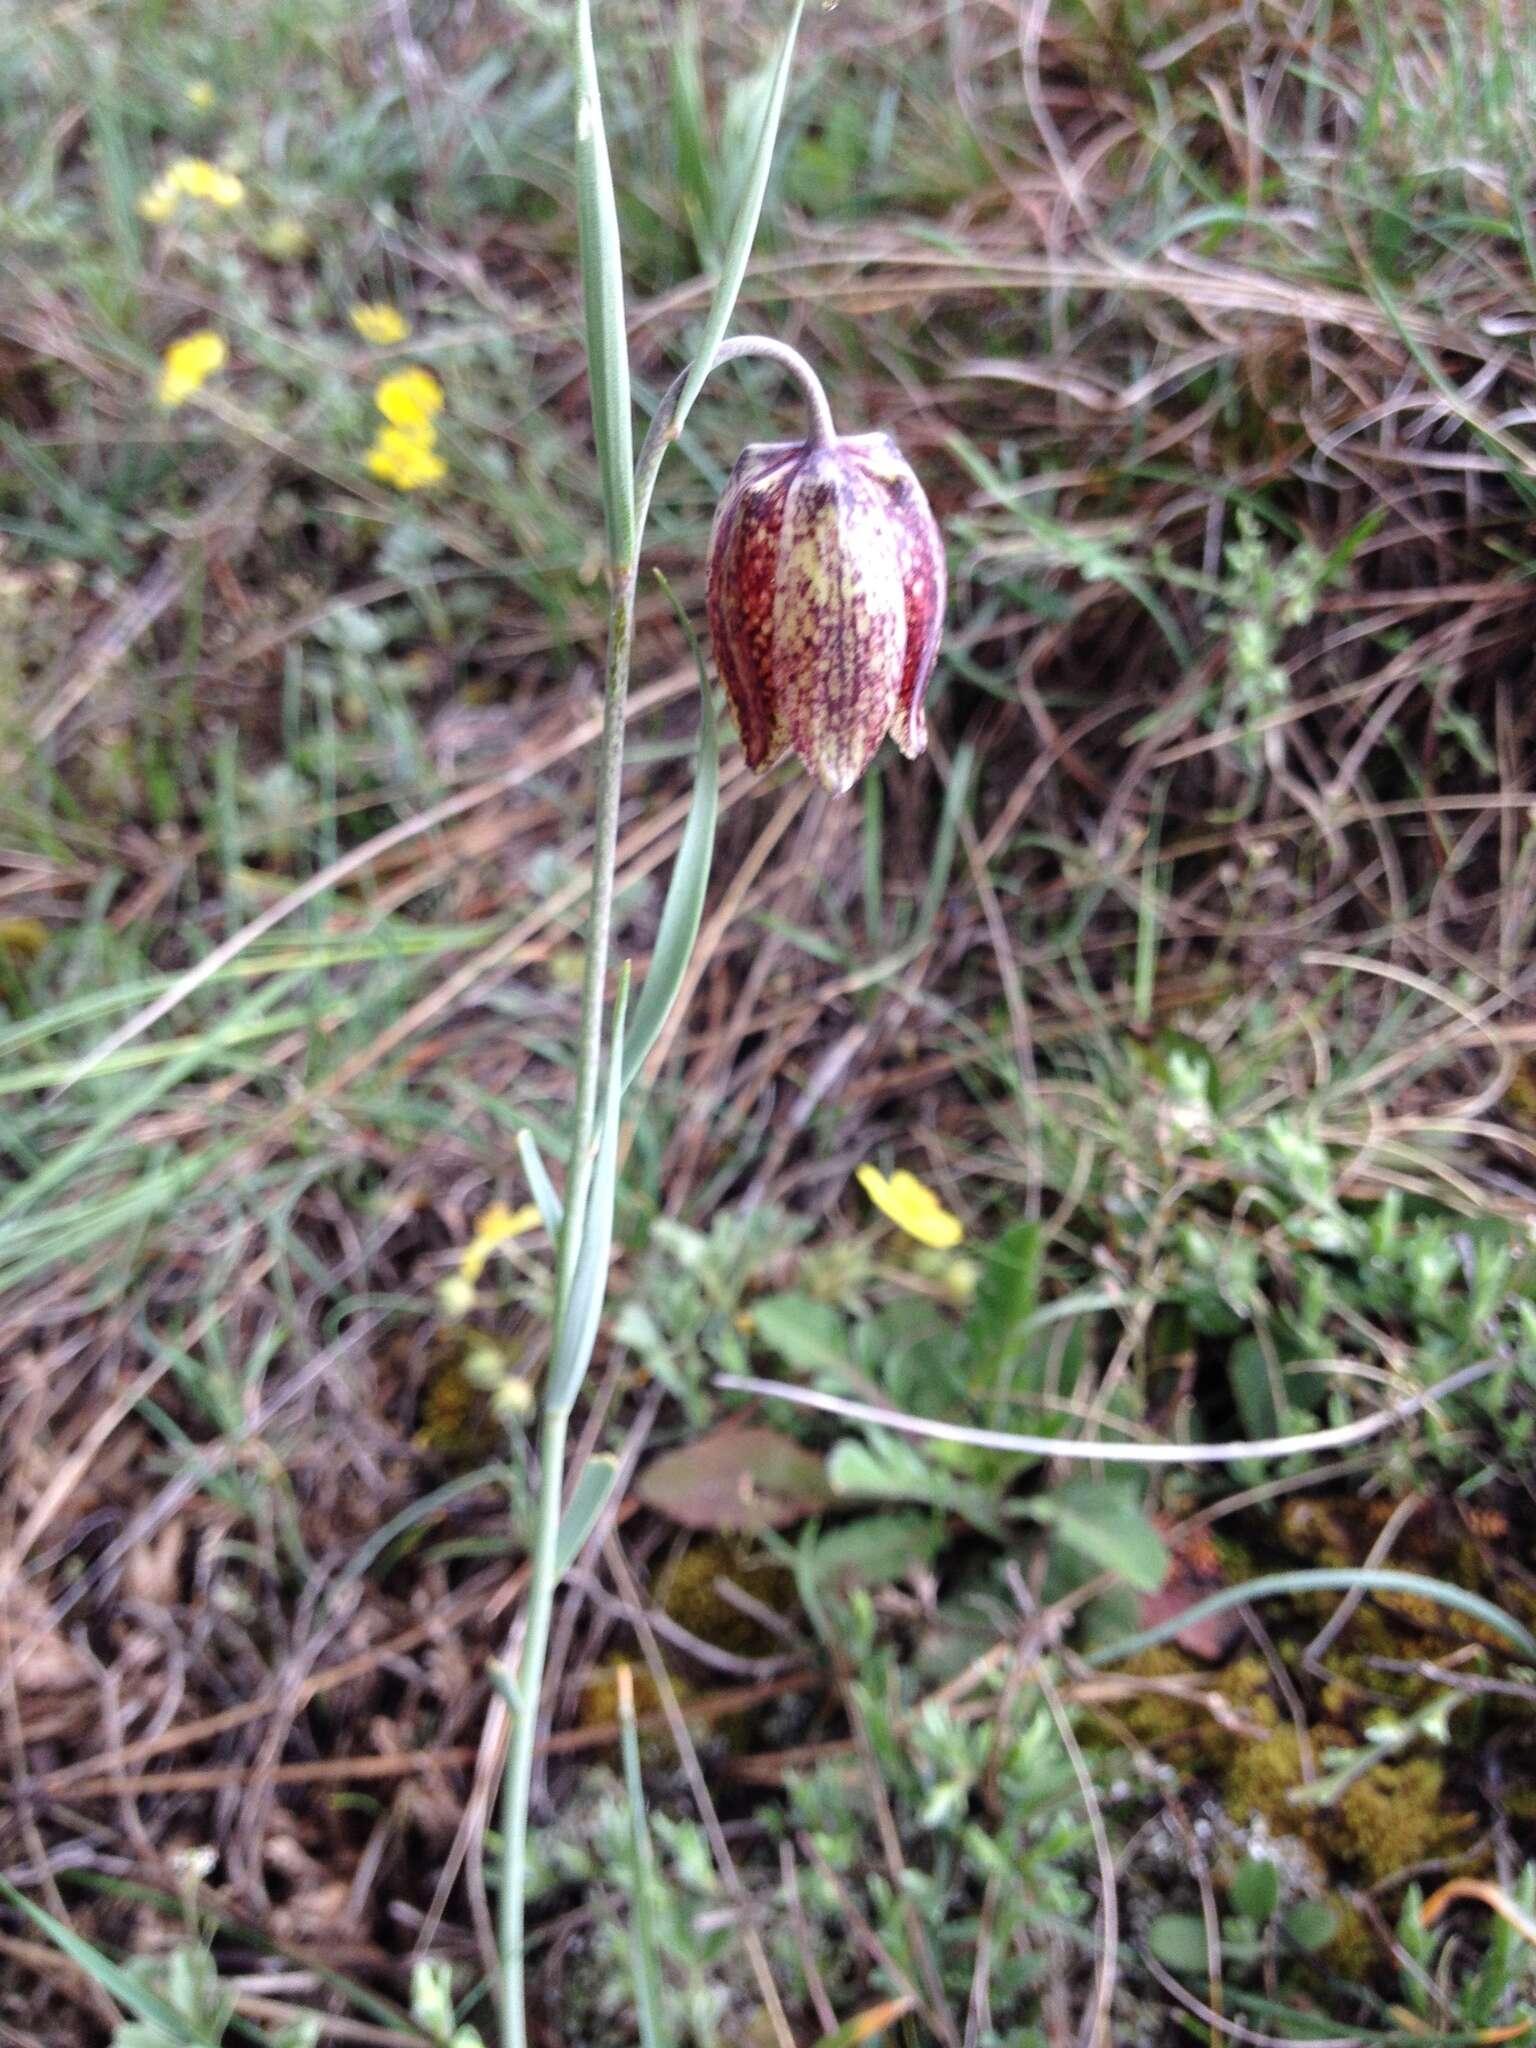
[[1104, 1524], [1253, 1389], [1007, 1295], [875, 1550], [1256, 1888], [1311, 1924], [540, 1186], [1178, 1941], [602, 286], [737, 1480], [809, 1335], [590, 1495], [892, 1468], [684, 908], [577, 1332]]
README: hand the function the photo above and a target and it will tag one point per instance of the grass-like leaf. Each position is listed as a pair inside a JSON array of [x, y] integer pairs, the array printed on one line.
[[594, 1485], [738, 250], [684, 908], [645, 1950], [540, 1186], [602, 287], [120, 1985], [1326, 1579], [577, 1333]]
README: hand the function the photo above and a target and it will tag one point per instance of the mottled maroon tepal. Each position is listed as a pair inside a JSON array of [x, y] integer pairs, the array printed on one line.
[[826, 598]]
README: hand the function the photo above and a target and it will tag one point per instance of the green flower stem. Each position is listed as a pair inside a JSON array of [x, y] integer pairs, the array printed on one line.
[[524, 1708], [555, 1421]]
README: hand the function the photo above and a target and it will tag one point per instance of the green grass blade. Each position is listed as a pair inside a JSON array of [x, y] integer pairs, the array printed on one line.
[[602, 286], [577, 1334], [645, 1950], [1149, 916], [540, 1186], [119, 1984], [738, 250], [683, 910], [690, 149], [594, 1487], [1330, 1579], [943, 859]]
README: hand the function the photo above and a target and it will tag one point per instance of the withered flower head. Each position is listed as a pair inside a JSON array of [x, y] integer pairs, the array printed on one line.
[[826, 598]]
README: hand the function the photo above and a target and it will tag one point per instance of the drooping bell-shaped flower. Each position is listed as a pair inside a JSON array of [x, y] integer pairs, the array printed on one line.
[[826, 599]]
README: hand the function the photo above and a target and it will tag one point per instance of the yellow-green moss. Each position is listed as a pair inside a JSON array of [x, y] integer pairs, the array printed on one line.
[[1393, 1817], [1261, 1778], [687, 1592], [1354, 1951], [1181, 1721], [1386, 1821], [455, 1421]]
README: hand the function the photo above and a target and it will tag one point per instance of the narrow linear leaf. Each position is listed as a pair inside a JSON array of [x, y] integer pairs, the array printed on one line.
[[738, 250], [119, 1984], [690, 153], [577, 1334], [645, 1946], [1321, 1579], [945, 839], [602, 287], [591, 1494], [683, 910], [549, 1205]]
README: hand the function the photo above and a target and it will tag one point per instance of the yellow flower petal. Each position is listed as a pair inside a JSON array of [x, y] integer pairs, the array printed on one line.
[[409, 398], [379, 324], [406, 458], [199, 179], [200, 93], [188, 364], [911, 1207], [190, 177], [498, 1226], [159, 202]]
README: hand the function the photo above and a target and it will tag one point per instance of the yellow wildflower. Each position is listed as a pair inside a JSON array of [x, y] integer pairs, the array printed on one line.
[[379, 324], [409, 398], [189, 363], [455, 1297], [911, 1207], [160, 201], [199, 179], [190, 177], [406, 457], [497, 1227], [200, 94]]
